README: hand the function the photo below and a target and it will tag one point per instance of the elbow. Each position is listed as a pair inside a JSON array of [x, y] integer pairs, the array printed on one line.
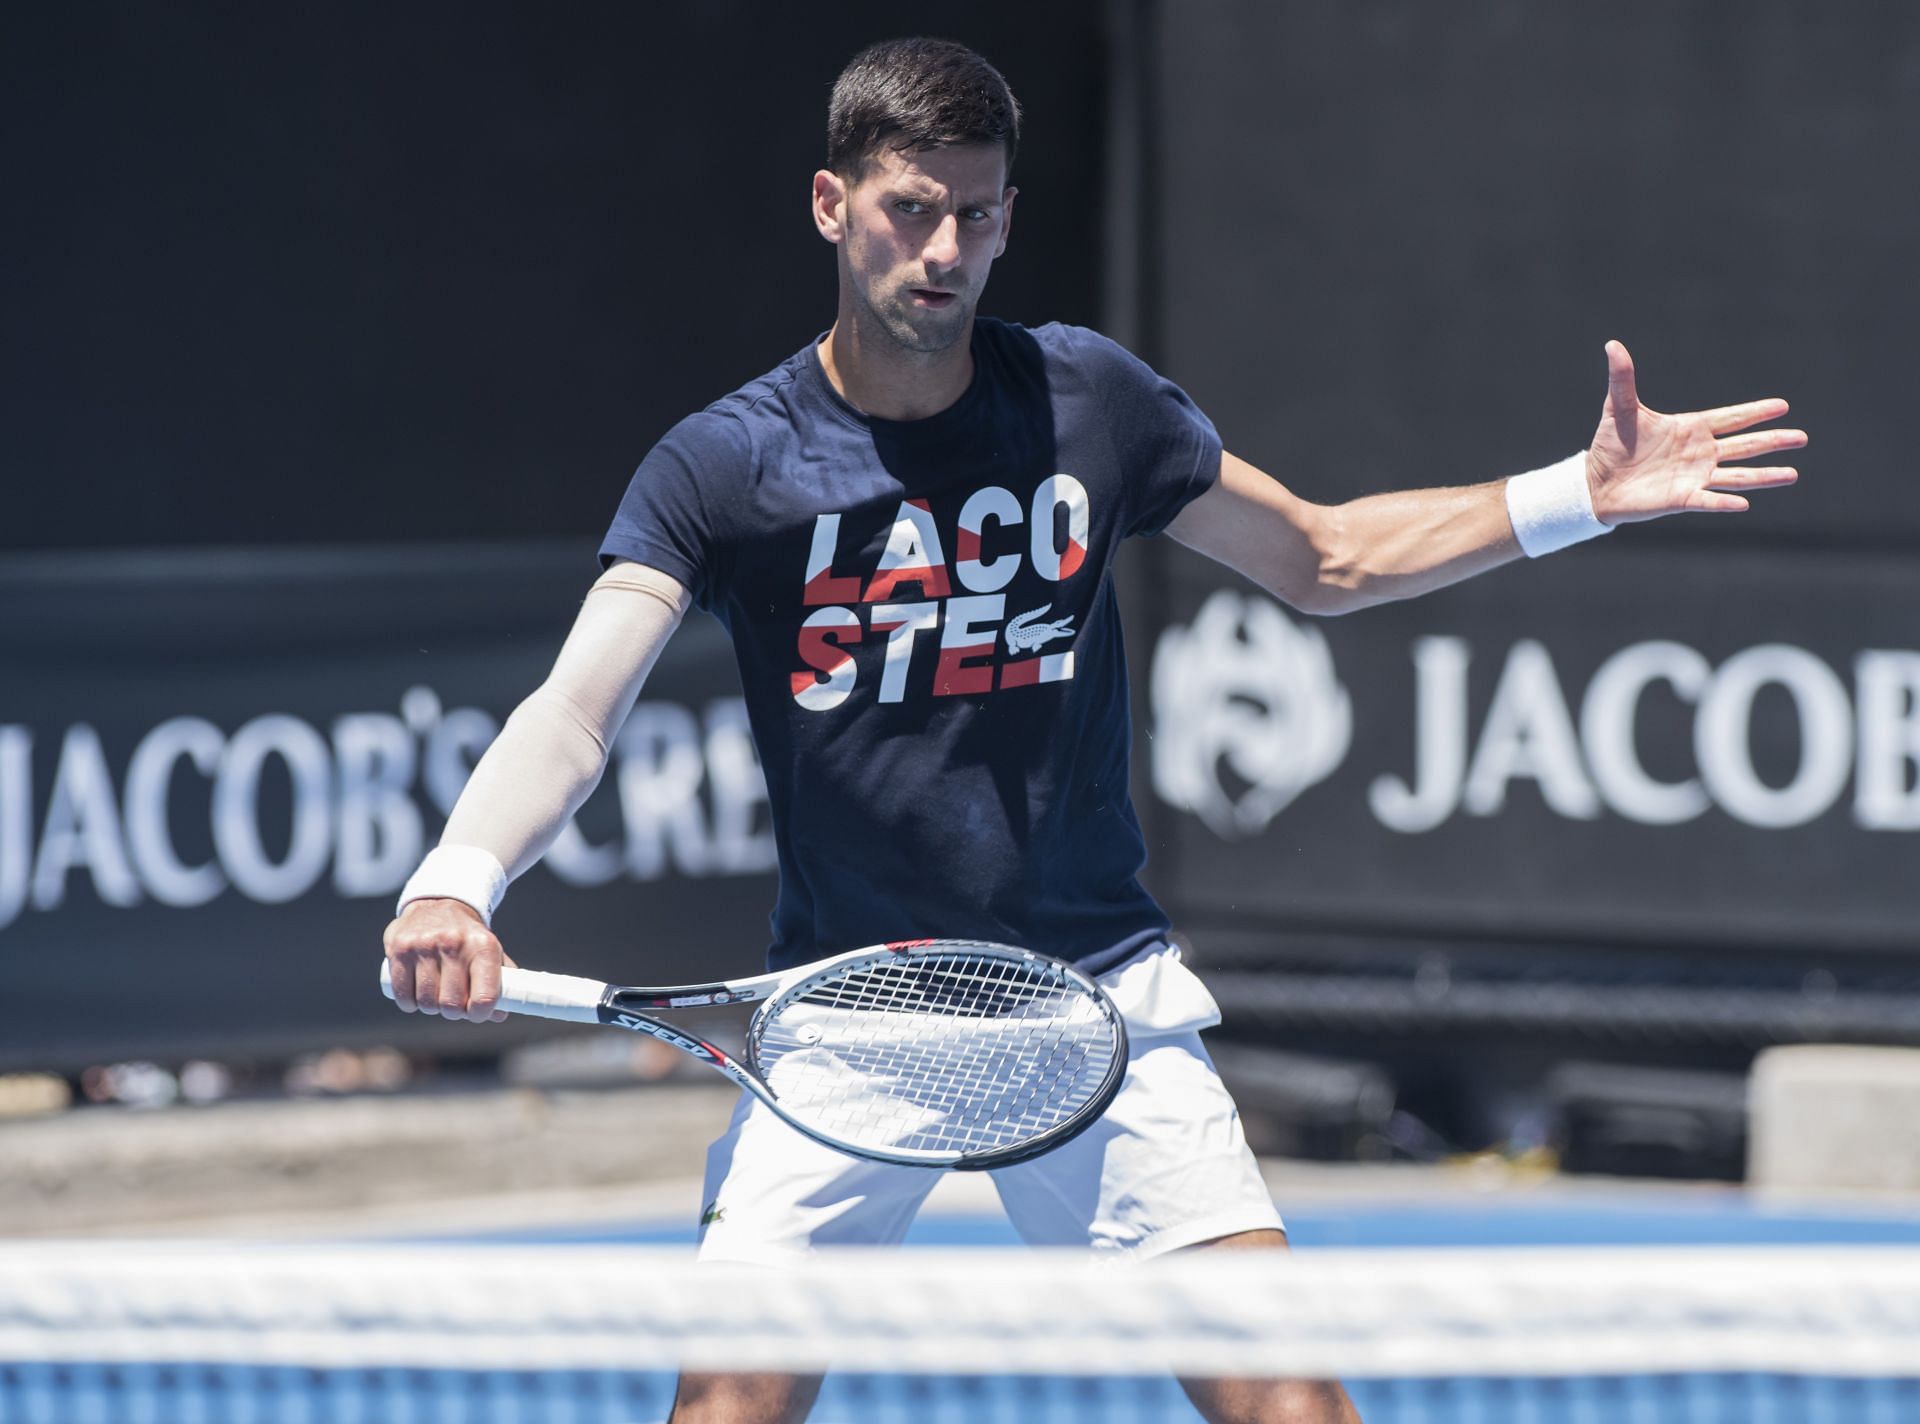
[[1336, 578], [1325, 601], [1331, 603]]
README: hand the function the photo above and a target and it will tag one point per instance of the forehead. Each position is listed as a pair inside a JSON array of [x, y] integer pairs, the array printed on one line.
[[977, 170]]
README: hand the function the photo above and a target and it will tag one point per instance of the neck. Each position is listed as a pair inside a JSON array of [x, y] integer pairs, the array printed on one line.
[[879, 377]]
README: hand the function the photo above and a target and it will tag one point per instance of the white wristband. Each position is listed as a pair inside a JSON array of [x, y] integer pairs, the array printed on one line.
[[456, 872], [1553, 508]]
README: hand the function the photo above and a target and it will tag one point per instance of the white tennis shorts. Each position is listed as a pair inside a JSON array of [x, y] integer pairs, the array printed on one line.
[[1167, 1166]]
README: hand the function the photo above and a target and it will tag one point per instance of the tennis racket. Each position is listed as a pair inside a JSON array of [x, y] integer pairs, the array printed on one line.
[[929, 1053]]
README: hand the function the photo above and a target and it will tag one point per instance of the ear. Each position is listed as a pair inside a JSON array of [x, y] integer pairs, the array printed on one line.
[[830, 205], [1006, 219]]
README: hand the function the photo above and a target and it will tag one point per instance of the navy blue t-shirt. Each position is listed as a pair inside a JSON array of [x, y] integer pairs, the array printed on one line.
[[924, 617]]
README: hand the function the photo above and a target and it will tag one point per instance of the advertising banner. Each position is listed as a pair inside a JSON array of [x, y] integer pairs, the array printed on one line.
[[217, 769], [1611, 747]]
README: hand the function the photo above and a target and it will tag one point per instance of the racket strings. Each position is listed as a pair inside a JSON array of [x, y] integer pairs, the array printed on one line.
[[951, 1053]]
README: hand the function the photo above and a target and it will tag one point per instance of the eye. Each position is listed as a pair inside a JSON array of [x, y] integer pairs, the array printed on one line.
[[913, 207], [977, 214]]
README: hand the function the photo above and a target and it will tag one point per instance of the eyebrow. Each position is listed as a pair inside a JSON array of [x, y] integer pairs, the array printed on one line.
[[912, 194]]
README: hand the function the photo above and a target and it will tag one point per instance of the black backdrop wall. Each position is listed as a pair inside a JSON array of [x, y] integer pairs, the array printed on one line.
[[1390, 238], [354, 272]]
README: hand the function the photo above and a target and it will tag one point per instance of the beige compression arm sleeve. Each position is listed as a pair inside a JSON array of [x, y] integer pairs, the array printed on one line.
[[550, 755]]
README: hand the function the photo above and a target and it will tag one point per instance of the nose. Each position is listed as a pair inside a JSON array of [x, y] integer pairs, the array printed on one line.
[[943, 247]]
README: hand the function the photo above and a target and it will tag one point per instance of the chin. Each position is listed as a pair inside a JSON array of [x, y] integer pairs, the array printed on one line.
[[930, 332]]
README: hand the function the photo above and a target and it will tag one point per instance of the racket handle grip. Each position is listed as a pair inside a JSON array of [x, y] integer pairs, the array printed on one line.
[[528, 991]]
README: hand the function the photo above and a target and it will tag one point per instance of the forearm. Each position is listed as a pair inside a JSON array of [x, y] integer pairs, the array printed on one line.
[[1413, 542], [552, 751], [1400, 545], [1329, 559], [539, 771]]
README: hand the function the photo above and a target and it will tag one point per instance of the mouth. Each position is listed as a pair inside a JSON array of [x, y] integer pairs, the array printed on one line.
[[932, 298]]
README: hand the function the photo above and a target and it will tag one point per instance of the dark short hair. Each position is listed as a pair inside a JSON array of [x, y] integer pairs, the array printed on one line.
[[913, 94]]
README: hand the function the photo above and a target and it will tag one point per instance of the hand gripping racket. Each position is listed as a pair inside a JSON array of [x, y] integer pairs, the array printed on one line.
[[929, 1053]]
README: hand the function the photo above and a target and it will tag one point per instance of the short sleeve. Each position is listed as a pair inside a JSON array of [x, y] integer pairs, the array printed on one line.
[[664, 518], [1168, 450]]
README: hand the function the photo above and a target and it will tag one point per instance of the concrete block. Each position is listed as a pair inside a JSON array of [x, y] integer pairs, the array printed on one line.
[[1828, 1117]]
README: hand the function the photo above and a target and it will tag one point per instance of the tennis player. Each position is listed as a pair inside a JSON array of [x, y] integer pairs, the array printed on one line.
[[908, 529]]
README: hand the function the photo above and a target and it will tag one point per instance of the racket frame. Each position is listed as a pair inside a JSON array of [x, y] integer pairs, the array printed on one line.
[[625, 1008], [633, 1008]]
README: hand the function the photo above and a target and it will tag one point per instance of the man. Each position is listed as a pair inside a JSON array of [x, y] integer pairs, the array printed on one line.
[[907, 529]]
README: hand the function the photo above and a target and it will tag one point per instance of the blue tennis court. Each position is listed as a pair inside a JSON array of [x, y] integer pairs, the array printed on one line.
[[1635, 1217]]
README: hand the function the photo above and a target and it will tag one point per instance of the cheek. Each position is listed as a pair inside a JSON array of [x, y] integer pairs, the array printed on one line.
[[984, 247], [871, 251]]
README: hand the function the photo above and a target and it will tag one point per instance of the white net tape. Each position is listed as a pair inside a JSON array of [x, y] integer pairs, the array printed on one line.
[[1590, 1311]]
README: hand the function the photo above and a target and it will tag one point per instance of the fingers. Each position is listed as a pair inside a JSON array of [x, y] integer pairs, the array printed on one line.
[[1758, 442], [443, 960], [1623, 398], [426, 983], [1623, 402], [453, 987], [1661, 464], [1752, 477], [483, 989], [1718, 498], [400, 972], [1728, 418]]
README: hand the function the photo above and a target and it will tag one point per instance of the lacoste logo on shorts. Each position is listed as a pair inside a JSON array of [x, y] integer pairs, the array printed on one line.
[[714, 1212]]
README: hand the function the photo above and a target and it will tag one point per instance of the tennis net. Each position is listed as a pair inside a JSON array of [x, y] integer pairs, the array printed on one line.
[[329, 1334]]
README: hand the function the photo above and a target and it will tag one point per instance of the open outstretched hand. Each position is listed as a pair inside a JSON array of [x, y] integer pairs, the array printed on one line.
[[1643, 464]]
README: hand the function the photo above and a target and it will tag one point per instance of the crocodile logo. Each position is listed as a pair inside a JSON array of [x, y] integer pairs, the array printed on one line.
[[1024, 634]]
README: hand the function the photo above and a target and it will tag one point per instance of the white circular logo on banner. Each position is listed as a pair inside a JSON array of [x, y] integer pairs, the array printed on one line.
[[1247, 713]]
